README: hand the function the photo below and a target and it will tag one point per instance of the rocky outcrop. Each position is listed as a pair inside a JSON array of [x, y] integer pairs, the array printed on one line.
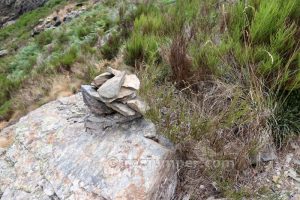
[[63, 151], [58, 18], [11, 9]]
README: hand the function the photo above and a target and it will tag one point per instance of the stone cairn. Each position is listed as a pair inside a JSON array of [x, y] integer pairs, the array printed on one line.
[[114, 91]]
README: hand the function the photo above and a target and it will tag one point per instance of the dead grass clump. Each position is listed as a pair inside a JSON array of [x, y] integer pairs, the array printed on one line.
[[179, 62], [239, 131], [41, 90], [219, 130]]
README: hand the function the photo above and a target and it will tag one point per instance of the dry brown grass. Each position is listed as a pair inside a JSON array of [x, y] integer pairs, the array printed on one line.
[[36, 92], [6, 141], [211, 122], [179, 62], [233, 141]]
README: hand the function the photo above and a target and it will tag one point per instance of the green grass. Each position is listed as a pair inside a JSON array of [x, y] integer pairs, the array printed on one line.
[[141, 49]]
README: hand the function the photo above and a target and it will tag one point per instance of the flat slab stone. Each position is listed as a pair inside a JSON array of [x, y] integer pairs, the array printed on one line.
[[111, 88], [114, 71], [92, 99], [125, 93], [122, 108], [54, 157], [102, 78], [138, 105], [132, 81]]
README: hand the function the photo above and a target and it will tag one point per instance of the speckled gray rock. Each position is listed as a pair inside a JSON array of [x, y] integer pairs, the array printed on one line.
[[92, 99], [53, 156]]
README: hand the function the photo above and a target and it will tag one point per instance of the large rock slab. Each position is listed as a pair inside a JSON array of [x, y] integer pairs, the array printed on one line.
[[57, 155]]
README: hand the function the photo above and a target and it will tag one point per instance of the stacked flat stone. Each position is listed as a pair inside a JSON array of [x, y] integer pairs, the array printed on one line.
[[114, 91]]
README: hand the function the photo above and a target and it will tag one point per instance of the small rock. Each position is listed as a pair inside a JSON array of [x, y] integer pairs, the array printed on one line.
[[138, 105], [297, 162], [289, 158], [114, 71], [268, 154], [111, 88], [294, 145], [150, 132], [275, 179], [293, 174], [121, 108], [125, 92], [132, 81], [57, 23], [296, 197], [9, 23], [67, 19], [102, 78], [3, 53], [186, 197]]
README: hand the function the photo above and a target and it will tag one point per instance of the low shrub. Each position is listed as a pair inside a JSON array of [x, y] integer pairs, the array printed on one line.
[[141, 48], [149, 24], [44, 38], [5, 110], [23, 62], [111, 48]]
